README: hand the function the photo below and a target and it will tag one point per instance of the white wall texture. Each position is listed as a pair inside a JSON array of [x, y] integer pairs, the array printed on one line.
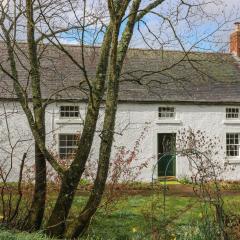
[[131, 120]]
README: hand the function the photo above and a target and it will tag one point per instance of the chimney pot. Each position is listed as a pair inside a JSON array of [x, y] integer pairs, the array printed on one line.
[[237, 24]]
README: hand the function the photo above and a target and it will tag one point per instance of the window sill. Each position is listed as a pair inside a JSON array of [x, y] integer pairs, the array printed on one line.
[[232, 122], [233, 160], [168, 121], [69, 121]]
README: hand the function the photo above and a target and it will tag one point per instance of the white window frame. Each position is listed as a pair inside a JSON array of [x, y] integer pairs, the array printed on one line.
[[74, 147], [167, 113], [233, 145], [232, 113], [76, 109]]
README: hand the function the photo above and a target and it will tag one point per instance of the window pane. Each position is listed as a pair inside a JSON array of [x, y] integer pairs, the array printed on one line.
[[62, 137], [67, 145], [232, 144], [62, 150], [69, 111], [232, 113], [166, 112]]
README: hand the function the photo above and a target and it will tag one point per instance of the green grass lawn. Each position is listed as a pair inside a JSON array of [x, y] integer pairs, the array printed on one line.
[[133, 217]]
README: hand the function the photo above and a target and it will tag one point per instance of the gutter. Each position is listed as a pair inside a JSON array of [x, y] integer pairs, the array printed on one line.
[[176, 102]]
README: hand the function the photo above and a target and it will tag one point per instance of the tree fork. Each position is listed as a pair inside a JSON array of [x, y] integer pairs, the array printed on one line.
[[106, 142], [57, 222]]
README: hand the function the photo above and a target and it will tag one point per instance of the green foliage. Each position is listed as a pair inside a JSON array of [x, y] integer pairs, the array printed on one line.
[[84, 182], [7, 235]]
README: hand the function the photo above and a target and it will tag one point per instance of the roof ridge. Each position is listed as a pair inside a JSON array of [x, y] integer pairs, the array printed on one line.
[[132, 48]]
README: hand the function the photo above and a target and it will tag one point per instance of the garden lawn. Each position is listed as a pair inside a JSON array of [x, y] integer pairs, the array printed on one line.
[[133, 216]]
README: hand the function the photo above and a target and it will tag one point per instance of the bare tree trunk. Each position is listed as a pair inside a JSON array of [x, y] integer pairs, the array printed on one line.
[[36, 212], [118, 54], [38, 202], [57, 222], [103, 167]]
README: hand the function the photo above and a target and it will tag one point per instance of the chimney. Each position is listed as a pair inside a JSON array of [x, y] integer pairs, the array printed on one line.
[[235, 40]]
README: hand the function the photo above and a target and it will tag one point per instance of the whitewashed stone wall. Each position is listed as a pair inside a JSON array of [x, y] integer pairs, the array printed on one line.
[[131, 120]]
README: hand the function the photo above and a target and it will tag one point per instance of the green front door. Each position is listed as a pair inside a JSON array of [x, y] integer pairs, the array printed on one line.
[[166, 156]]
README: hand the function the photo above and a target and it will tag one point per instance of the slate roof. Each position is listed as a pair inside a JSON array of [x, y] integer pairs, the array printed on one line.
[[147, 76]]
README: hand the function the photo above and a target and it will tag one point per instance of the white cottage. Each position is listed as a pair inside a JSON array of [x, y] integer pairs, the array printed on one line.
[[161, 94]]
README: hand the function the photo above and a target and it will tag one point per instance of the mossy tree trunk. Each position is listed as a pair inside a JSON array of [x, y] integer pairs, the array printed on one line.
[[37, 207], [57, 221], [118, 53], [36, 120]]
